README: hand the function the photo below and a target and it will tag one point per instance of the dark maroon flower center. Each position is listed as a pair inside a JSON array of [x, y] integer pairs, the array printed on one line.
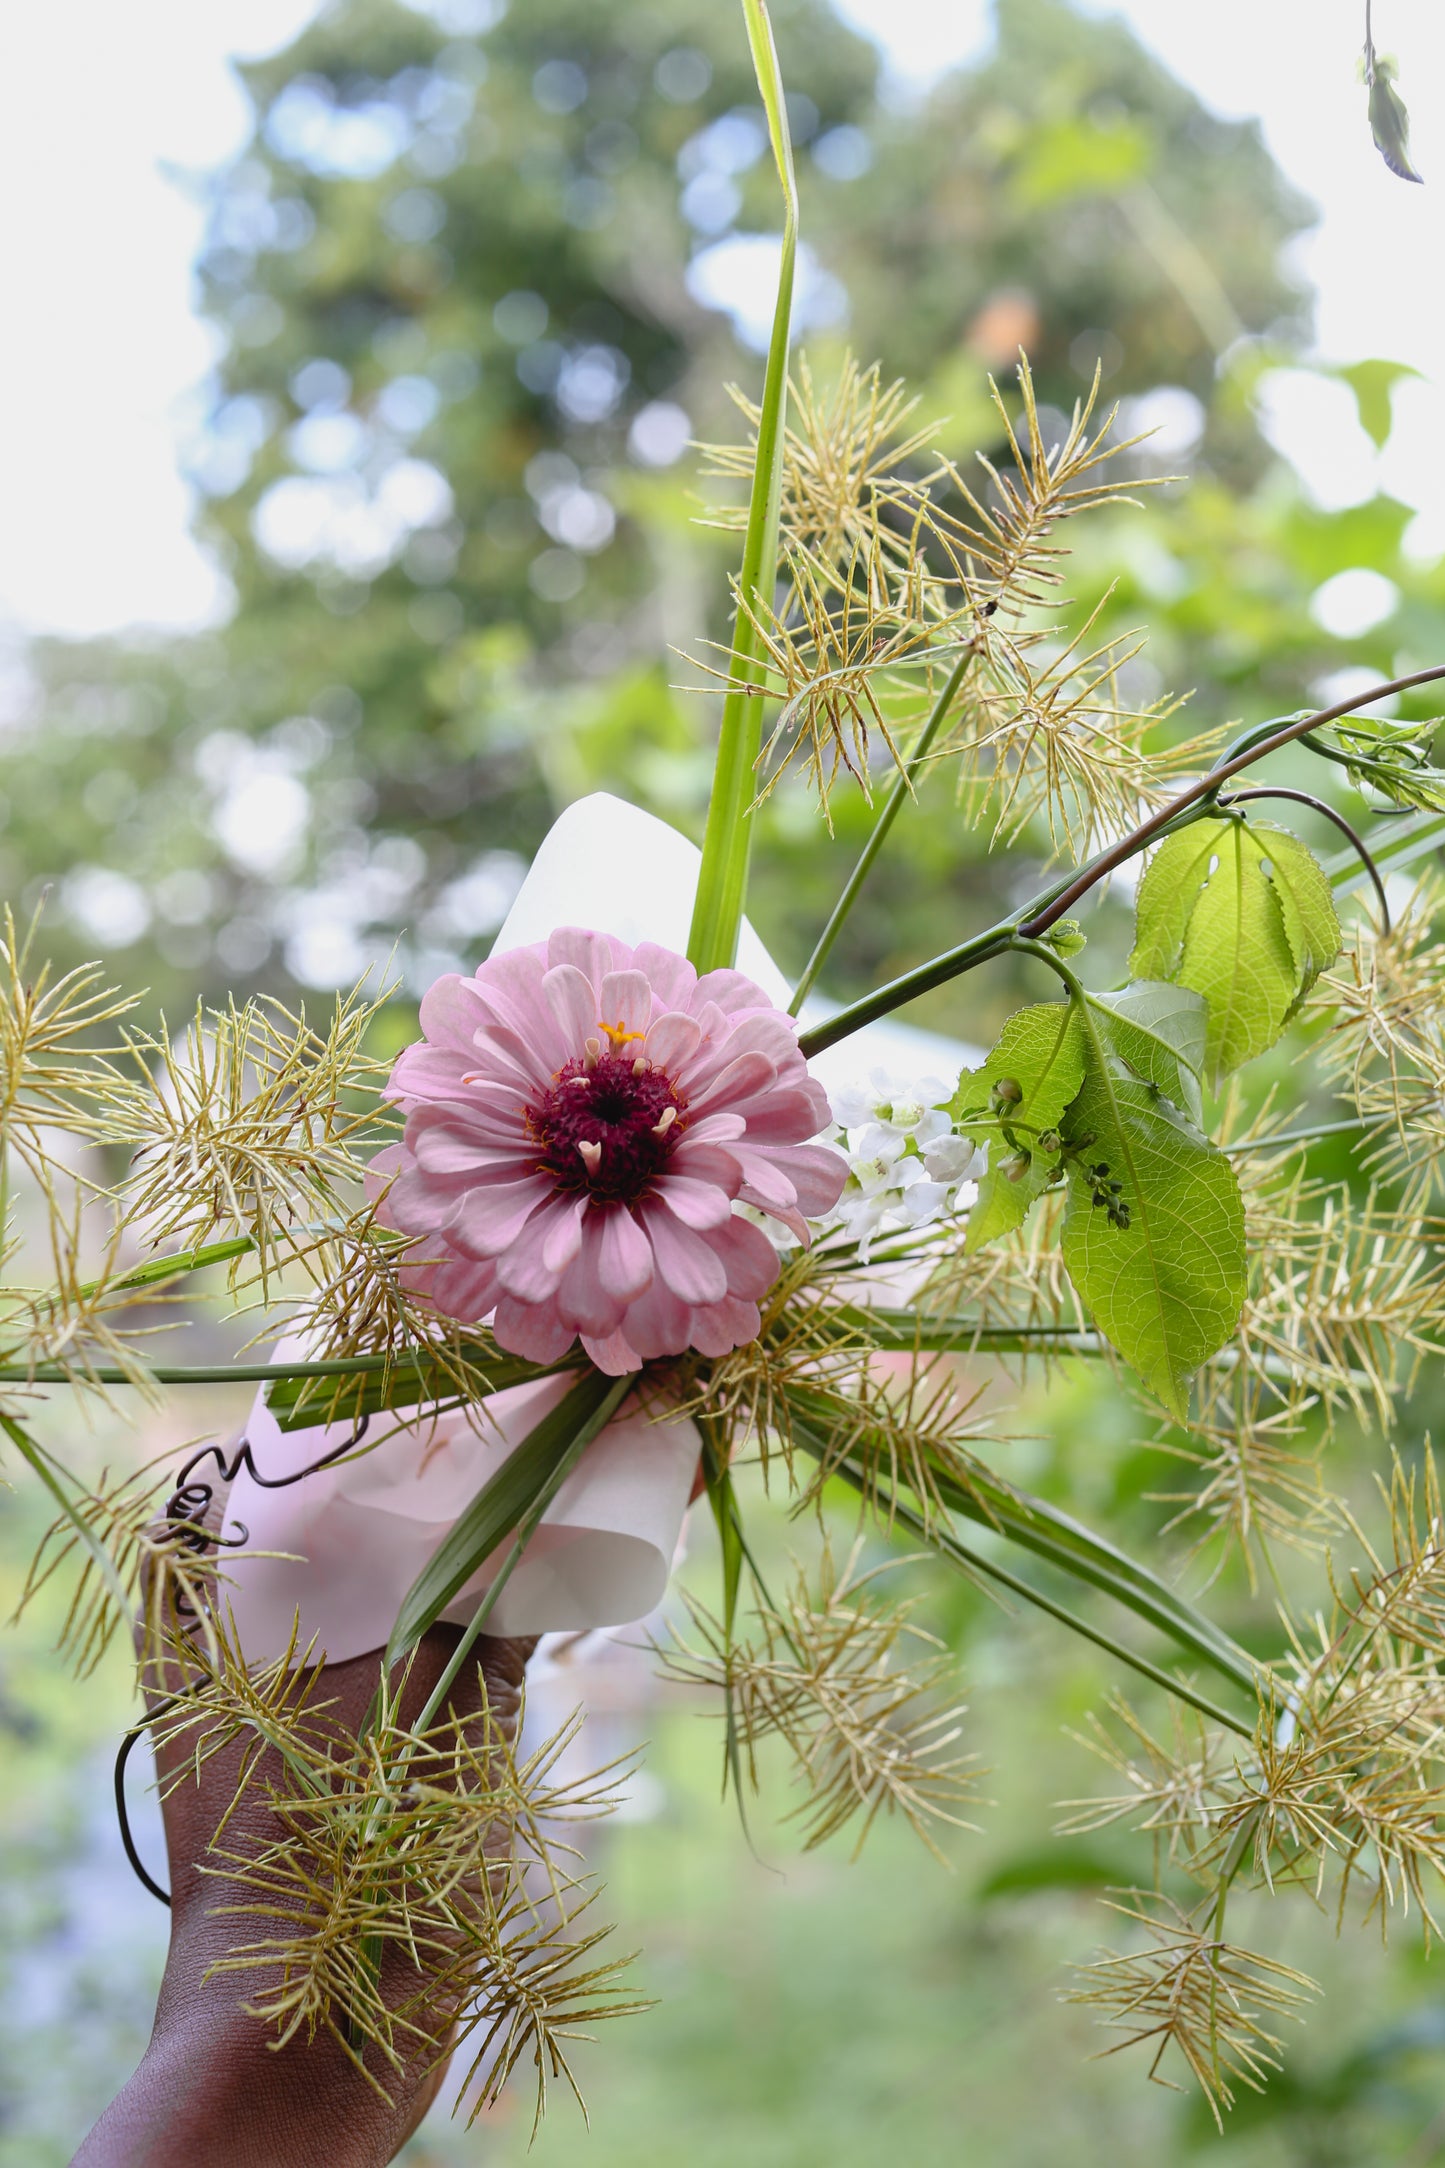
[[608, 1125]]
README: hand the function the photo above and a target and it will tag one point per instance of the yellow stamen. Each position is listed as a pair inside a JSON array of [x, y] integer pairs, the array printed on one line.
[[619, 1035]]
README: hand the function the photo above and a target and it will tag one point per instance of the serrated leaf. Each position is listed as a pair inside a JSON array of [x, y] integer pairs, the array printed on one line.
[[1168, 890], [1039, 1051], [1308, 906], [1160, 1031], [1211, 918], [1166, 1285]]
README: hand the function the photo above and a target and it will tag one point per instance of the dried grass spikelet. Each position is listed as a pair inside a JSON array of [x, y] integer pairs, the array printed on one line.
[[1172, 1790], [76, 1324], [1386, 1040], [842, 452], [890, 1434], [1187, 1989], [52, 1066], [806, 1332], [811, 1392], [893, 570], [1347, 1774], [254, 1122], [1344, 1780], [360, 1303], [841, 656], [1002, 545], [1018, 1284], [168, 1569], [1049, 736], [1346, 1299], [1259, 1478], [1352, 1305], [824, 1674], [417, 1894]]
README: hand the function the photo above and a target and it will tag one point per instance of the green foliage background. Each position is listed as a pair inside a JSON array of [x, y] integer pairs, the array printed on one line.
[[437, 703]]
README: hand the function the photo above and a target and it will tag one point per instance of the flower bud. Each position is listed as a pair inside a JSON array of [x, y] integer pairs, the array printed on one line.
[[1066, 938]]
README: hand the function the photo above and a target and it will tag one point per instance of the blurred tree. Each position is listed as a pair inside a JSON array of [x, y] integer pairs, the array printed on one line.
[[474, 286]]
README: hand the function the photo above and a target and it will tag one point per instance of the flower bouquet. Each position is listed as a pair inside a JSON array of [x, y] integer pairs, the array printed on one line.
[[634, 1213]]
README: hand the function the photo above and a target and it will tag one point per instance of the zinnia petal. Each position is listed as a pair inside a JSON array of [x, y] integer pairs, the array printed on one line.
[[533, 1329], [685, 1261], [572, 998], [533, 1263], [625, 998], [489, 1218]]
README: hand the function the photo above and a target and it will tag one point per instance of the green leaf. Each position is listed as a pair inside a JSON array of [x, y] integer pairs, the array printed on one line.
[[1063, 1864], [1310, 922], [524, 1480], [1160, 1031], [1390, 121], [1373, 383], [1168, 890], [1153, 1234], [1388, 761], [1210, 918], [1038, 1063]]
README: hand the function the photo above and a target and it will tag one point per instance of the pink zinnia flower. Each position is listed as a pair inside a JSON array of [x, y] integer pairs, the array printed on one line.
[[580, 1118]]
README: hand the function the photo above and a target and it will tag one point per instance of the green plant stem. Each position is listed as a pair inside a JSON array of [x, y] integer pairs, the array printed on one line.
[[1061, 1542], [727, 840], [1046, 909], [1233, 1861], [878, 835], [1350, 1127], [339, 1366]]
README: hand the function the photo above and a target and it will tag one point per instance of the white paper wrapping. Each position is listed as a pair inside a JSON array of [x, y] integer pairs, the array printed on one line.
[[360, 1532]]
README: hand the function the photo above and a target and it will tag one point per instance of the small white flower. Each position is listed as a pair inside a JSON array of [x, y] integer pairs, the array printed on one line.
[[905, 1165], [923, 1202], [951, 1158]]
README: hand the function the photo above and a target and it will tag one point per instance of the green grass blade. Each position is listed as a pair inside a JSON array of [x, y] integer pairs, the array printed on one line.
[[727, 840], [43, 1466], [1061, 1542], [973, 1562], [541, 1460]]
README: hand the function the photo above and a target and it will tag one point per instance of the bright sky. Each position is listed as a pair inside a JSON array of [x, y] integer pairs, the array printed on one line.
[[102, 353]]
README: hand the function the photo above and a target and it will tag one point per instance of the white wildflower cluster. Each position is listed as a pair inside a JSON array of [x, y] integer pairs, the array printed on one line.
[[906, 1168]]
